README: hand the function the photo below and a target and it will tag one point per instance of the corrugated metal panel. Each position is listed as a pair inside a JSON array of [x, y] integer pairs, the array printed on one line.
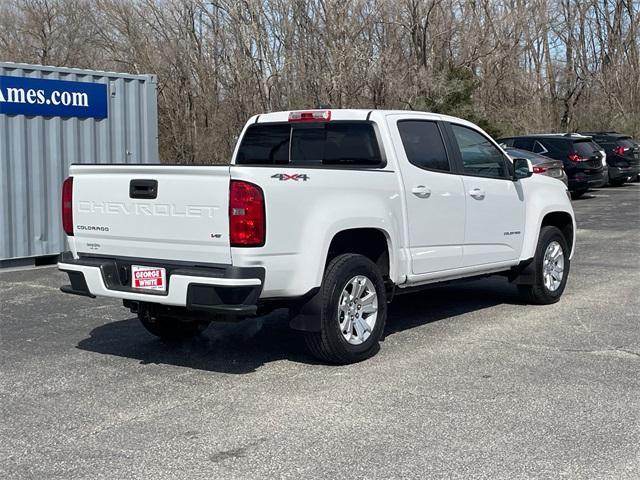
[[35, 153]]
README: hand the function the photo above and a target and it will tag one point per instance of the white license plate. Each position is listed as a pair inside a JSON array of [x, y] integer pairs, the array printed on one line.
[[148, 278]]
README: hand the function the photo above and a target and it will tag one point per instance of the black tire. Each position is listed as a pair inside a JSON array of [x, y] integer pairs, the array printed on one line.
[[577, 194], [538, 293], [329, 345], [169, 328], [616, 183]]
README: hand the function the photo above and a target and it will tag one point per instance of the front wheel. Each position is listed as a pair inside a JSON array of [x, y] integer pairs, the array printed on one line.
[[551, 266], [354, 311]]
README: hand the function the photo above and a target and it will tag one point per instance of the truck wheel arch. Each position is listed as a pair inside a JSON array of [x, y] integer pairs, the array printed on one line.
[[372, 243], [561, 220]]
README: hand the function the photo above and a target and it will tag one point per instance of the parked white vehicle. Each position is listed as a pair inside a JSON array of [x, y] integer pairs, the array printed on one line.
[[327, 212]]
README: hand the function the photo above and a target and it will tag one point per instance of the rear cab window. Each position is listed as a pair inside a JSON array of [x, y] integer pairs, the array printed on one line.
[[337, 144]]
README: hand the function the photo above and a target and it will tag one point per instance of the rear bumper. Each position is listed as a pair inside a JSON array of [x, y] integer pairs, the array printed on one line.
[[597, 180], [216, 289], [618, 173], [578, 183], [583, 181]]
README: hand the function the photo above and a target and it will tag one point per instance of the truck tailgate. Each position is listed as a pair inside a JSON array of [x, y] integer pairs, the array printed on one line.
[[173, 213]]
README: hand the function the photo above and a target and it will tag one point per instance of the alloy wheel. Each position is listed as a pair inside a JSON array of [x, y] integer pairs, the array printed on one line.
[[358, 310]]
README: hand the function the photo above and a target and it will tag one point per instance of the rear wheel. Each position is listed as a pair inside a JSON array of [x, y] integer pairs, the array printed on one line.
[[617, 182], [354, 310], [551, 264], [577, 194], [170, 328]]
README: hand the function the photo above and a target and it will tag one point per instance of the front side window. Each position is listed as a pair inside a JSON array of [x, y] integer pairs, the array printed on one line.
[[423, 144], [608, 146], [480, 157], [312, 144], [523, 143]]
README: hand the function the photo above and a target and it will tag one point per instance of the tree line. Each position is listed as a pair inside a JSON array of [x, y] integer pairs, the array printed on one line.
[[512, 66]]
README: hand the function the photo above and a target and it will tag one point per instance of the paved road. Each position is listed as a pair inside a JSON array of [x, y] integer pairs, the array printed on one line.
[[469, 383]]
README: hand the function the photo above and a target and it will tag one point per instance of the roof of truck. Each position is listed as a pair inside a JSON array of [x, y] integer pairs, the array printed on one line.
[[352, 114]]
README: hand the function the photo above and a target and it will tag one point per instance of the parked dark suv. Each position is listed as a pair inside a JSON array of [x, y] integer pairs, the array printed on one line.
[[623, 155], [581, 157]]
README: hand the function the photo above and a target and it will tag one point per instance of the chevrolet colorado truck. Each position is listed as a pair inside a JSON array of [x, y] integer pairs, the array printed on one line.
[[329, 213]]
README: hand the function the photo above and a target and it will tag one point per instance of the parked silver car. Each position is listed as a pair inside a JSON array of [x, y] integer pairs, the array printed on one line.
[[541, 164]]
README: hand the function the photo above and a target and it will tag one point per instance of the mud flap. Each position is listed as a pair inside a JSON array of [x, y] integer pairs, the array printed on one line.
[[524, 274], [305, 315]]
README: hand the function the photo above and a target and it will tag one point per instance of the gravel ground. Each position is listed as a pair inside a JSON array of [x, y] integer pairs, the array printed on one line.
[[469, 383]]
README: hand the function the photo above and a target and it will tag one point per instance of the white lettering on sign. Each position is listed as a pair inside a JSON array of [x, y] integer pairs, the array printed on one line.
[[148, 277]]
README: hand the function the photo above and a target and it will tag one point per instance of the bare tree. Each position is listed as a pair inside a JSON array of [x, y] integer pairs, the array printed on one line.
[[512, 66]]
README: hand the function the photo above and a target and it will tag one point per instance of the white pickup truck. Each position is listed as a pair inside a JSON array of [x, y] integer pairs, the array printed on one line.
[[329, 213]]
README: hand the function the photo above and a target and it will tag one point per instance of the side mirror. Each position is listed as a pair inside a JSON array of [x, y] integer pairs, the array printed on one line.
[[522, 168]]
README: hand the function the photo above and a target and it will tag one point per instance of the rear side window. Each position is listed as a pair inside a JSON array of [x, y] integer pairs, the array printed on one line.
[[626, 143], [539, 148], [313, 144], [523, 143], [423, 144], [480, 157], [265, 145], [557, 147], [585, 149]]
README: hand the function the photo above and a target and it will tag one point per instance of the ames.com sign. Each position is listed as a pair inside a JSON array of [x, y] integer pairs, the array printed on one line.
[[52, 98]]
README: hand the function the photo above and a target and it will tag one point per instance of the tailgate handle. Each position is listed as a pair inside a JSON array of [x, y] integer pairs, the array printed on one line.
[[143, 189]]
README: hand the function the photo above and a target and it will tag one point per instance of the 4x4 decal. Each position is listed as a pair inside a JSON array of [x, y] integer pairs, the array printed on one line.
[[283, 177]]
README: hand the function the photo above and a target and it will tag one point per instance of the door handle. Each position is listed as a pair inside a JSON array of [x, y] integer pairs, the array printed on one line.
[[477, 193], [143, 189], [421, 191]]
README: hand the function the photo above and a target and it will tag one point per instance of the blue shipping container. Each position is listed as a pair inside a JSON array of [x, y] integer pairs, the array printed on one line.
[[50, 118]]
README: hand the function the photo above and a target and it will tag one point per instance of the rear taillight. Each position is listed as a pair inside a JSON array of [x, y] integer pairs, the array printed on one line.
[[539, 169], [310, 116], [67, 206], [574, 157], [620, 151], [246, 215]]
